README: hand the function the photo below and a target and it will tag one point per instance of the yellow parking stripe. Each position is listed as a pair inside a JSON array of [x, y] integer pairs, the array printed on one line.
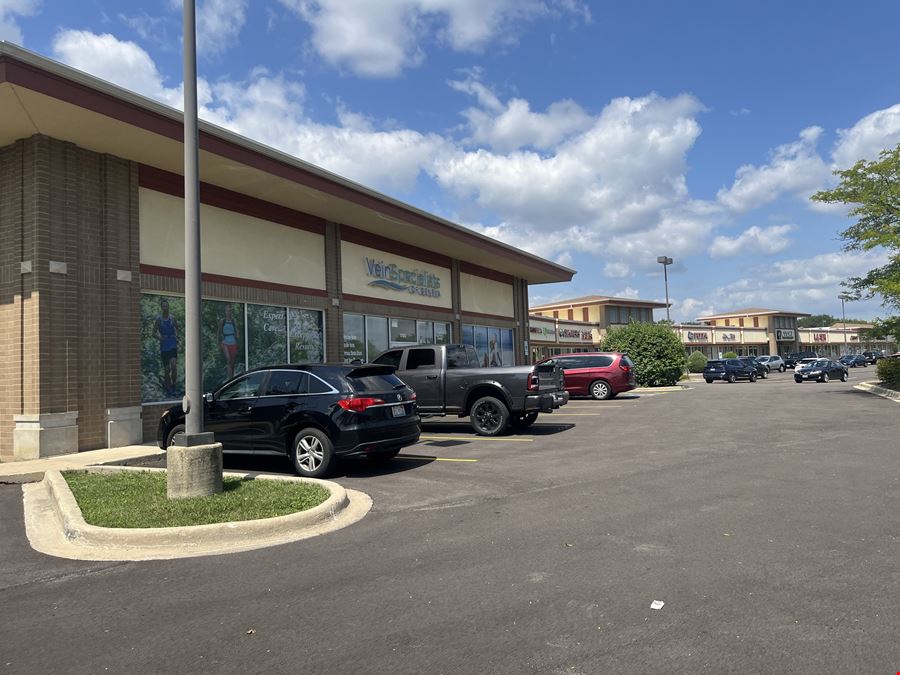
[[475, 438], [437, 459]]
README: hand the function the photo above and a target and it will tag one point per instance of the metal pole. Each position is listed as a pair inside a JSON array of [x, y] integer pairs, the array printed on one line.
[[192, 371], [844, 318], [666, 277]]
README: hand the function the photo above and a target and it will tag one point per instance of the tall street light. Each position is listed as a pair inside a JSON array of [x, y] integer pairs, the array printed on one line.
[[844, 297], [665, 262]]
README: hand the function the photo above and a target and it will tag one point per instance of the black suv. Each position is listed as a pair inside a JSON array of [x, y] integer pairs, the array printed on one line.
[[729, 370], [873, 356], [313, 414], [791, 360], [762, 370]]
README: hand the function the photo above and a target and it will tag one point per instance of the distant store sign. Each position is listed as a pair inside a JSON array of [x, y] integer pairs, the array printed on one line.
[[698, 336], [395, 278], [728, 337], [820, 337], [784, 334], [542, 332]]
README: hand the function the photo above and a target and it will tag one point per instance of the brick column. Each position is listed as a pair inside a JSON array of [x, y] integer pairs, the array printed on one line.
[[334, 313]]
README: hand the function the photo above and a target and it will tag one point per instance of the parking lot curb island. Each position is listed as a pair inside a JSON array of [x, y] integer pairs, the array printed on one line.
[[884, 392]]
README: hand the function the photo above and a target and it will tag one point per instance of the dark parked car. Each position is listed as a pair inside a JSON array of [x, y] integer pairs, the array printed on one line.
[[449, 380], [313, 414], [873, 356], [791, 360], [729, 370], [854, 360], [600, 375], [762, 370], [821, 371]]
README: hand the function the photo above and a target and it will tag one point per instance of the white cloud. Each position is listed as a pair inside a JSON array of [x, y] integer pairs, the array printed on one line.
[[123, 63], [510, 126], [10, 12], [873, 133], [381, 39], [794, 168], [753, 241], [616, 270], [219, 23], [628, 292]]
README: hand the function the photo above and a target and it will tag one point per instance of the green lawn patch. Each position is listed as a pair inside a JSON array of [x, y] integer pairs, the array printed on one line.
[[138, 499]]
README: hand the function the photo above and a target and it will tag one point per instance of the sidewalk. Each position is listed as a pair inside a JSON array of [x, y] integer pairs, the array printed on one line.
[[32, 470]]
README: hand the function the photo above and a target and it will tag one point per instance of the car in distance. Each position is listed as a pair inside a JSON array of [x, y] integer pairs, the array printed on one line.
[[773, 362], [313, 414], [600, 375], [854, 360], [805, 362], [762, 370], [728, 370], [820, 370], [873, 356], [791, 360]]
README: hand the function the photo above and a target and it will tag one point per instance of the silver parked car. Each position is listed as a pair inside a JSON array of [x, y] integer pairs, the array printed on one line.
[[772, 363]]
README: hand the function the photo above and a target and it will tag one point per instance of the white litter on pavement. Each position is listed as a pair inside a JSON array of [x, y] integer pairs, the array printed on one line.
[[657, 604]]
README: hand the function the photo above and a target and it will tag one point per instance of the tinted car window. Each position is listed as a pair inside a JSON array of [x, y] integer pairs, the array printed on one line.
[[571, 362], [627, 361], [598, 361], [420, 358], [317, 386], [457, 358], [714, 364], [286, 383], [375, 383], [390, 358], [246, 387]]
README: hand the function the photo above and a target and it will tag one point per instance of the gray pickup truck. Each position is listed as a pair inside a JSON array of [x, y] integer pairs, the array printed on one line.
[[448, 380]]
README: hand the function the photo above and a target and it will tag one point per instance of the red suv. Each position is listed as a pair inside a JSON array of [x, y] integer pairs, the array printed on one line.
[[600, 375]]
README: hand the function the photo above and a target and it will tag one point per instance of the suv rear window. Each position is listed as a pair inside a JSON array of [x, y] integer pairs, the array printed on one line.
[[375, 383], [599, 361], [715, 364]]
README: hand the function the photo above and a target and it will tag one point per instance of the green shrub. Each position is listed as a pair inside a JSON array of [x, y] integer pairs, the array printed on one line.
[[696, 362], [729, 355], [657, 352], [889, 372]]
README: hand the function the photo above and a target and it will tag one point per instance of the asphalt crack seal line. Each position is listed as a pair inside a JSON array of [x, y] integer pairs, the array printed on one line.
[[54, 525]]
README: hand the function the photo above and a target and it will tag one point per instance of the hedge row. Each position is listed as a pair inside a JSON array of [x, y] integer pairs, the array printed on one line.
[[889, 372]]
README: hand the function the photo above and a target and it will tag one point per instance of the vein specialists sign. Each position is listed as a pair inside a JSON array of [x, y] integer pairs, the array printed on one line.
[[395, 278]]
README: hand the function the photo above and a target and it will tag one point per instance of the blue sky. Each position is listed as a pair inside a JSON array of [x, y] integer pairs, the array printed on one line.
[[600, 135]]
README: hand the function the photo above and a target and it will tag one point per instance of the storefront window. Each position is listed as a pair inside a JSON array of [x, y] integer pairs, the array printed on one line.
[[376, 336], [306, 336], [468, 335], [481, 345], [162, 348], [442, 334], [354, 338], [506, 347], [266, 335], [222, 341], [403, 332], [494, 346], [425, 332]]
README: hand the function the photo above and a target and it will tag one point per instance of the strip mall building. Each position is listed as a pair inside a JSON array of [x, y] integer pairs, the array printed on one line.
[[299, 264]]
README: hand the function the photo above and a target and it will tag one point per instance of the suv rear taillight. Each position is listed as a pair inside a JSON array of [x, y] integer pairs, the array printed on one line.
[[625, 367], [355, 404], [534, 382]]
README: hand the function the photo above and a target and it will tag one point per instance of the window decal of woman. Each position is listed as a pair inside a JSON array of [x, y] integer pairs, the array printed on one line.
[[228, 341]]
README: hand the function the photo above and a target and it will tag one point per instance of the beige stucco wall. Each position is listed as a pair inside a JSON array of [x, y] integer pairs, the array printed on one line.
[[233, 244], [486, 296], [355, 278]]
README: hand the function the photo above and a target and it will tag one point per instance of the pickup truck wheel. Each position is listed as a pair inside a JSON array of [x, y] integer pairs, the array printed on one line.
[[524, 421], [489, 417], [600, 390]]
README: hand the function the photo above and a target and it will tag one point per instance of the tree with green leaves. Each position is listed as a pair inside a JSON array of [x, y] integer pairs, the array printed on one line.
[[872, 189], [657, 352]]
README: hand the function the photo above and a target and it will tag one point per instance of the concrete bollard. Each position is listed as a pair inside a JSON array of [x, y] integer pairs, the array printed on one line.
[[194, 471]]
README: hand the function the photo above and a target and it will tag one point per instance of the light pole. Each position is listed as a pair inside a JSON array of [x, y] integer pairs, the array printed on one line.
[[665, 262], [843, 297]]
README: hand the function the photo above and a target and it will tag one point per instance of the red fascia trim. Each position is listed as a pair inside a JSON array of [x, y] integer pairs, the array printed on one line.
[[363, 238], [486, 273], [234, 281], [397, 303], [90, 99], [479, 315], [170, 183]]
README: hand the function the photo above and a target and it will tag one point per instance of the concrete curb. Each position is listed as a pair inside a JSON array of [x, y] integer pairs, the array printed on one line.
[[883, 392], [652, 390], [55, 525], [32, 471]]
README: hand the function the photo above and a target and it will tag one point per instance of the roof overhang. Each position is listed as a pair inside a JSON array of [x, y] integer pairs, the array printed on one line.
[[41, 96]]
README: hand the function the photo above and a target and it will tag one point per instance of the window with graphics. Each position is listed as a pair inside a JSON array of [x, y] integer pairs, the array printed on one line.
[[494, 346]]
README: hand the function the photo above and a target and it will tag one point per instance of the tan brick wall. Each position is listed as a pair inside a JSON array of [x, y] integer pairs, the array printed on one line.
[[75, 332]]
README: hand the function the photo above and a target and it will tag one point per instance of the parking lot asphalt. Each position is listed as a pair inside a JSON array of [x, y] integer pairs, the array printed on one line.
[[764, 515]]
